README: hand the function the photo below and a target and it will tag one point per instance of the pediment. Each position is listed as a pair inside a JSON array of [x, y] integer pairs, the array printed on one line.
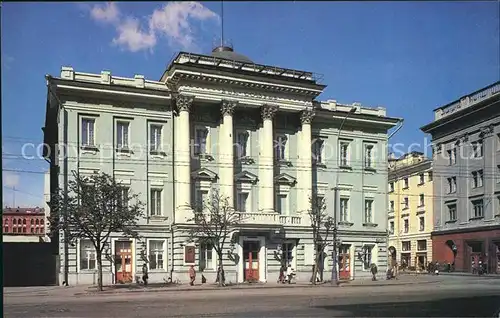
[[204, 174], [285, 178], [246, 177]]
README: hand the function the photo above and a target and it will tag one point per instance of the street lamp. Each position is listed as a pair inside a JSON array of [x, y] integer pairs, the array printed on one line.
[[335, 278]]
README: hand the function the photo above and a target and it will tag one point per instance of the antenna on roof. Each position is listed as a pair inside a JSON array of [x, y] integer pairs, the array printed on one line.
[[222, 23]]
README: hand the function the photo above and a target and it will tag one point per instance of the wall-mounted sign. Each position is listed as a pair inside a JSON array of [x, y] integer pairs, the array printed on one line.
[[189, 254]]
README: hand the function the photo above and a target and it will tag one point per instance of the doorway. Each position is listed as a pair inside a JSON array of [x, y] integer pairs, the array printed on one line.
[[123, 261], [344, 262], [251, 260]]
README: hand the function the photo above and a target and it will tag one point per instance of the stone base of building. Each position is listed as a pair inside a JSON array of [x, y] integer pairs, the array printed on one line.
[[466, 247]]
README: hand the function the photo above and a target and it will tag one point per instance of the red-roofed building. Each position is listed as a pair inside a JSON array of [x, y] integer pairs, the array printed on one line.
[[24, 224]]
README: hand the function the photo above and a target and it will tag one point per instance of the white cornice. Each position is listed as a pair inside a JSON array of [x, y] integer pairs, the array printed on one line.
[[118, 111], [114, 92]]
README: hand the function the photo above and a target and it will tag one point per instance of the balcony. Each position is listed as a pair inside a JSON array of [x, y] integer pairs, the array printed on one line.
[[257, 218]]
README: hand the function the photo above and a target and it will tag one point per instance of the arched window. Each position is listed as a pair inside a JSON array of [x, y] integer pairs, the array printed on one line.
[[24, 221], [36, 222], [14, 221]]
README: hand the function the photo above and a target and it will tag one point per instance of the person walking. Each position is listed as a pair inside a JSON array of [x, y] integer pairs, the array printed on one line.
[[145, 275], [192, 275]]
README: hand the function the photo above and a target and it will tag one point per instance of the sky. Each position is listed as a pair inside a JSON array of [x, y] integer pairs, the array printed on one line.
[[409, 57]]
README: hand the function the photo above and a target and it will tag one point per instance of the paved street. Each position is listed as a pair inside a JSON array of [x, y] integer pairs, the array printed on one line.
[[444, 296]]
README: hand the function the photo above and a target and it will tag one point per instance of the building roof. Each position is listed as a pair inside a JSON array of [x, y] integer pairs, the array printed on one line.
[[226, 52], [21, 211]]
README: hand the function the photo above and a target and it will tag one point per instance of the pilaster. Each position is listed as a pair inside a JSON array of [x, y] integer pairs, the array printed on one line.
[[226, 150], [266, 159], [304, 174]]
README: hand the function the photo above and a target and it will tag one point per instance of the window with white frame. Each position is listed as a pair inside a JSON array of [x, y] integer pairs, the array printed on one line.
[[287, 253], [156, 202], [406, 246], [88, 132], [368, 156], [344, 154], [368, 210], [123, 199], [477, 149], [206, 257], [317, 150], [280, 147], [406, 225], [156, 254], [282, 204], [367, 256], [122, 134], [391, 227], [452, 184], [406, 203], [452, 212], [155, 137], [498, 174], [241, 201], [200, 199], [391, 186], [242, 144], [477, 179], [452, 156], [201, 136], [421, 223], [421, 178], [344, 209], [429, 176], [391, 205], [88, 255], [421, 200], [478, 207], [406, 183]]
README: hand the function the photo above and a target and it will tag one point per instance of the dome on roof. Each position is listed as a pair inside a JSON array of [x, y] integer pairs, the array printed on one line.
[[226, 52]]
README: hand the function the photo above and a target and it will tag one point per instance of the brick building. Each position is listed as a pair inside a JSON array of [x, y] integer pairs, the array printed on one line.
[[24, 224]]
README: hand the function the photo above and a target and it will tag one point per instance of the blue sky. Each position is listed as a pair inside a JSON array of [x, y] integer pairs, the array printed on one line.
[[410, 57]]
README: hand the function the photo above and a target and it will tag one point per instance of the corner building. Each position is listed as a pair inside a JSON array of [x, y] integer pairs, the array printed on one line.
[[172, 141]]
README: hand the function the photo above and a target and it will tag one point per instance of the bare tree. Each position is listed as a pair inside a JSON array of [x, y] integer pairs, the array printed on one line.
[[214, 222], [322, 227], [93, 208]]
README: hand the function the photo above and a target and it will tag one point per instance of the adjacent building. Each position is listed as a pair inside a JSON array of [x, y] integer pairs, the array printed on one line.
[[410, 210], [466, 163], [24, 225], [255, 132]]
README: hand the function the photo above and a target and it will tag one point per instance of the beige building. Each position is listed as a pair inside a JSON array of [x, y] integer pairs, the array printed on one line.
[[410, 210]]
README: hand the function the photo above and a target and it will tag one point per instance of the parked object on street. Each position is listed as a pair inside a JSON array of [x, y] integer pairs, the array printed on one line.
[[290, 274]]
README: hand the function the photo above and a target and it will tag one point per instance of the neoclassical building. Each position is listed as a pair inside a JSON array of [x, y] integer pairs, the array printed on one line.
[[255, 132]]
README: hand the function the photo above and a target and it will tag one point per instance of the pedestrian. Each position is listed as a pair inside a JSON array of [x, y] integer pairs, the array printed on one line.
[[192, 275], [145, 276], [373, 269]]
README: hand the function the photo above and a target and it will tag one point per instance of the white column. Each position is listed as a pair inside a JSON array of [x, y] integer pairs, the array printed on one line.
[[226, 151], [266, 160], [182, 155], [305, 162]]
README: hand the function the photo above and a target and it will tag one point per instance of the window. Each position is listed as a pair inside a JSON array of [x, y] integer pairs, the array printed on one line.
[[498, 174], [452, 185], [391, 186], [452, 156], [391, 227], [87, 255], [155, 138], [406, 246], [24, 221], [123, 199], [367, 257], [156, 254], [477, 179], [477, 149], [241, 202], [452, 212], [391, 205], [368, 211], [200, 146], [421, 178], [429, 176], [242, 142], [369, 156], [281, 204], [344, 154], [344, 209], [422, 245], [478, 208], [206, 257], [421, 200], [287, 253], [318, 150], [421, 222], [280, 147], [406, 183], [406, 203], [406, 225], [155, 196], [88, 125], [122, 135], [201, 197], [32, 230]]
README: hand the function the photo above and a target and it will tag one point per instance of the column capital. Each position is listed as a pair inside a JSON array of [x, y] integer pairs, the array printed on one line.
[[306, 116], [268, 111], [228, 106], [184, 102], [486, 131]]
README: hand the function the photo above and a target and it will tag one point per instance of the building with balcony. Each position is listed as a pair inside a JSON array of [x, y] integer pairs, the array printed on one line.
[[410, 210], [24, 225], [466, 160], [255, 132]]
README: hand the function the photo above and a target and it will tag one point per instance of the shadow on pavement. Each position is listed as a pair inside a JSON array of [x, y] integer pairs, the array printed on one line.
[[481, 306]]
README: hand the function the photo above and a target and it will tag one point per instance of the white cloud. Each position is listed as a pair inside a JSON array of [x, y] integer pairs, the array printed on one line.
[[108, 13], [175, 21], [10, 179]]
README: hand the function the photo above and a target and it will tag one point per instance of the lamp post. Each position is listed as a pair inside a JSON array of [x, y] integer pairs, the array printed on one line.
[[335, 277]]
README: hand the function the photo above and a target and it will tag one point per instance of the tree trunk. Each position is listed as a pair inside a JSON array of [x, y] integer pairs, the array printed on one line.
[[220, 271], [99, 270], [315, 271]]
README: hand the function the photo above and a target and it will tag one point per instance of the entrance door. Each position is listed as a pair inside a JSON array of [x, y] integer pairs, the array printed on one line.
[[123, 261], [344, 262], [251, 260]]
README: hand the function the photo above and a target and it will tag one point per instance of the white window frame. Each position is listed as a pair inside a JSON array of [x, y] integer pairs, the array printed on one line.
[[406, 243], [155, 141], [318, 150], [344, 153], [421, 178], [406, 229], [369, 149], [243, 152], [406, 183], [344, 209], [156, 202], [367, 253], [452, 210], [421, 199], [392, 205], [281, 147], [368, 216], [478, 205], [478, 149], [421, 223], [203, 250], [91, 133], [124, 192], [391, 227], [406, 202], [452, 185], [163, 254], [391, 186], [198, 149], [239, 206], [124, 135], [282, 210], [452, 156], [477, 179], [88, 252]]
